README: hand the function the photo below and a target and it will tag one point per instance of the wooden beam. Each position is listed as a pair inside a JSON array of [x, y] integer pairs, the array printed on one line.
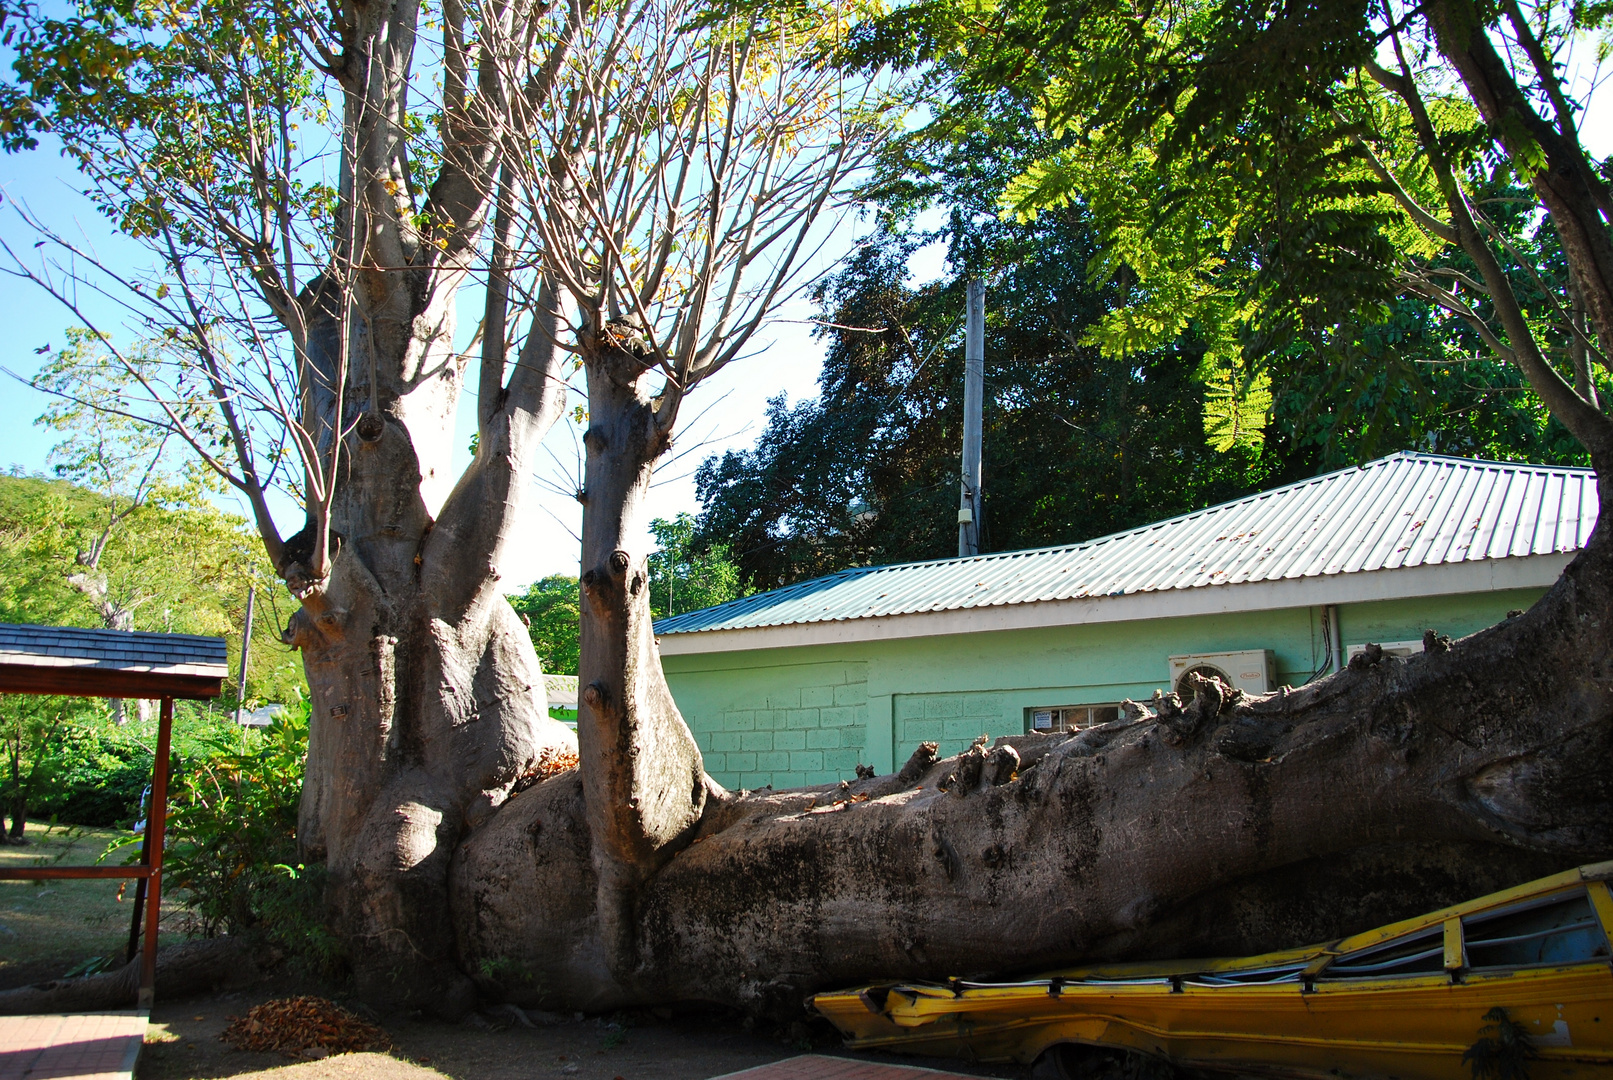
[[53, 873], [105, 682]]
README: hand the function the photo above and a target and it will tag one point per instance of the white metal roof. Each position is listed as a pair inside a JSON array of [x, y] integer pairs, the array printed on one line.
[[1400, 512]]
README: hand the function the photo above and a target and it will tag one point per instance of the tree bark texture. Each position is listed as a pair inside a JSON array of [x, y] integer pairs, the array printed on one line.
[[427, 696], [644, 781], [428, 700], [1226, 825]]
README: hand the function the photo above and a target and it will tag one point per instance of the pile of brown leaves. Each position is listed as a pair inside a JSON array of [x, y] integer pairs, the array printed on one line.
[[551, 762], [303, 1027]]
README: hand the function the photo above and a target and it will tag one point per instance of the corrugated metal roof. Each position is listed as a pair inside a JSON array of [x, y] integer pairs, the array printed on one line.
[[24, 645], [1400, 511]]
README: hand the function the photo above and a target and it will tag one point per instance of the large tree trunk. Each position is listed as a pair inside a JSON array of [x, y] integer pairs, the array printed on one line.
[[1552, 160], [428, 699], [1414, 782], [643, 777]]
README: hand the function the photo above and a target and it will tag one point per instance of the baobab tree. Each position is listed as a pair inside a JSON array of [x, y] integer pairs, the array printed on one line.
[[1218, 825], [684, 198], [311, 241], [652, 175], [630, 184]]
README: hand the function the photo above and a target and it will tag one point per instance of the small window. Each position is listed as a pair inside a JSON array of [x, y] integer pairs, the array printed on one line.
[[1418, 954], [1046, 719], [1283, 973], [1556, 930]]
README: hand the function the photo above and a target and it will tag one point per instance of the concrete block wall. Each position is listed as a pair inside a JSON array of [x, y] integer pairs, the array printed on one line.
[[789, 736], [951, 720], [807, 715]]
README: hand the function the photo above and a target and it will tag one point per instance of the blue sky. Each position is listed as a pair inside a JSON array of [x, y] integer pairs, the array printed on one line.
[[788, 360]]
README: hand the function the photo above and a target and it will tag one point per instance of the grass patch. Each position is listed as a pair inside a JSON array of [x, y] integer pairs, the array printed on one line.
[[47, 928]]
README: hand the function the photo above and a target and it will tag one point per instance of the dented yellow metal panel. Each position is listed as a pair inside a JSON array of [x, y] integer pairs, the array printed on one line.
[[1307, 1023]]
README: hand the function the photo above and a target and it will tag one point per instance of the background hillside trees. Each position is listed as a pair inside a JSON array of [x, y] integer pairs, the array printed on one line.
[[176, 566], [183, 567]]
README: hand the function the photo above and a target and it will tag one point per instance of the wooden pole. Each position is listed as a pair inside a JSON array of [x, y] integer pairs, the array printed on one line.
[[974, 388], [140, 890], [246, 647], [157, 818]]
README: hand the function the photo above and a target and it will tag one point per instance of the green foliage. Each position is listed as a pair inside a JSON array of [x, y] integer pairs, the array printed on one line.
[[1079, 441], [552, 609], [30, 734], [686, 576], [97, 770], [1144, 355], [232, 847], [125, 461], [232, 852], [1234, 162]]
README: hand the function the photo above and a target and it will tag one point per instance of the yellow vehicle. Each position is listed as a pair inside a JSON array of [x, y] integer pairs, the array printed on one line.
[[1405, 1001]]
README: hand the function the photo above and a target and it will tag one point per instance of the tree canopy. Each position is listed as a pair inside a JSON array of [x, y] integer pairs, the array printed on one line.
[[1145, 354]]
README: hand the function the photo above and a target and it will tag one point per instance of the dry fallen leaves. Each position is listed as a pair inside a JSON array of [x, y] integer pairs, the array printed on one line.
[[551, 762], [303, 1027]]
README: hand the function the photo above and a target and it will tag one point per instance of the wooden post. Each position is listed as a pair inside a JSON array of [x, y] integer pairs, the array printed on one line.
[[157, 820], [246, 647], [974, 388], [139, 891]]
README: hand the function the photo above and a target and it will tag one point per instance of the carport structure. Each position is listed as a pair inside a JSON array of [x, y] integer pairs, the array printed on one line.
[[118, 664]]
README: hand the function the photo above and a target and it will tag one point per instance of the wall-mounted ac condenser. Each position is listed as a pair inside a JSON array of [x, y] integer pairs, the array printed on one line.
[[1253, 671]]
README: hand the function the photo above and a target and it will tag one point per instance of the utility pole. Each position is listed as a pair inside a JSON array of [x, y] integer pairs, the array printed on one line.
[[246, 645], [974, 391]]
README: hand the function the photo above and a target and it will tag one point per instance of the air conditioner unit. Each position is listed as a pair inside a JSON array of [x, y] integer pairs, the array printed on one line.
[[1250, 671], [1390, 648]]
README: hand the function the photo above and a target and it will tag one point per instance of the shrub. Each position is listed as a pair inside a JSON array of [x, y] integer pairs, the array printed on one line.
[[96, 779], [232, 849]]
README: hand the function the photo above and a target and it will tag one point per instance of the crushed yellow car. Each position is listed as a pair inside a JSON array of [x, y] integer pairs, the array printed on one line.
[[1407, 1000]]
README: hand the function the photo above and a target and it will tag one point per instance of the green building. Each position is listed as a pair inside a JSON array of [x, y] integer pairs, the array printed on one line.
[[800, 685]]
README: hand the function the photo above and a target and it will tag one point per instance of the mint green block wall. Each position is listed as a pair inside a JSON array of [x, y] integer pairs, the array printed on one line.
[[808, 715], [781, 723], [1405, 620]]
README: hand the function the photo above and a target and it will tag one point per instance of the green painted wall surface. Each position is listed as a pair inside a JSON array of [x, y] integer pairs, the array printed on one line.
[[808, 715]]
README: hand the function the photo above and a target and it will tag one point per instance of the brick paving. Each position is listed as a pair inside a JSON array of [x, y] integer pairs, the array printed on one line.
[[825, 1067], [80, 1046]]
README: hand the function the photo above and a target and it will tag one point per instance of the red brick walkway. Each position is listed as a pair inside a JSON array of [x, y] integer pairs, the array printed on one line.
[[824, 1067], [83, 1046]]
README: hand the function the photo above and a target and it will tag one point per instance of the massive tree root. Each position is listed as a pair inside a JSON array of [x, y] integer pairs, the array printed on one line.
[[190, 967], [1225, 825]]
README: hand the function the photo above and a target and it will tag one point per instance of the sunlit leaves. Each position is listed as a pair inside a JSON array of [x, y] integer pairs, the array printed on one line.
[[1236, 407]]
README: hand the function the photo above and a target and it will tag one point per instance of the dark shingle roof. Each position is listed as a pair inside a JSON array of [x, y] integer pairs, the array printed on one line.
[[129, 651]]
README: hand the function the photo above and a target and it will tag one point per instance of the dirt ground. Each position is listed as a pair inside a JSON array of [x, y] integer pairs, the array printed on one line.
[[183, 1043], [49, 928]]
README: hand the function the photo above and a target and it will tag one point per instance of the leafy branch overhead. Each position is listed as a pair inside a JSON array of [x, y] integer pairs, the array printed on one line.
[[1273, 179]]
